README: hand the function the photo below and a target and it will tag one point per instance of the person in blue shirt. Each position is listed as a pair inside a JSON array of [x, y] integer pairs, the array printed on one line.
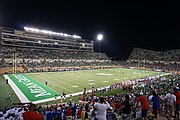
[[64, 113], [49, 114], [74, 111], [156, 103], [58, 114]]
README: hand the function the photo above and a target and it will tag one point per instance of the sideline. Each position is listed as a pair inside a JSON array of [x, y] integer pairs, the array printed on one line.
[[18, 92]]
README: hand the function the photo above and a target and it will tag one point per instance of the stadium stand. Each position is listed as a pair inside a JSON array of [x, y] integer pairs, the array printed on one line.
[[36, 50], [170, 55], [165, 60]]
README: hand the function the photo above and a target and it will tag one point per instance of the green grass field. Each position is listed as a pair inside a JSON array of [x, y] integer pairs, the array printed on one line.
[[75, 81]]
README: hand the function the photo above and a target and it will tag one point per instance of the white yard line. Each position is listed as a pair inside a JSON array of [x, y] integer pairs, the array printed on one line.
[[52, 82], [18, 92], [63, 81], [95, 80]]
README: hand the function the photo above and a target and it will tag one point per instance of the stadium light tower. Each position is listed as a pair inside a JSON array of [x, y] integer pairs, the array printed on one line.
[[99, 38]]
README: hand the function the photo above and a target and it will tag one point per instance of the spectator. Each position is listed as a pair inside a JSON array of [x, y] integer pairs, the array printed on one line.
[[58, 114], [101, 109], [126, 107], [170, 102], [32, 114], [177, 94], [110, 114], [144, 105], [156, 103], [85, 113]]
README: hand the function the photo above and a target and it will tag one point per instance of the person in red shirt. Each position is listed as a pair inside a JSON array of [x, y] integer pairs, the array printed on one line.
[[69, 113], [177, 94], [144, 105], [79, 113], [118, 105], [84, 95], [32, 114]]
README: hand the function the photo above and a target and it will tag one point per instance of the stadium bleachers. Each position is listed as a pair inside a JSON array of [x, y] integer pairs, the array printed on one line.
[[170, 55], [165, 60]]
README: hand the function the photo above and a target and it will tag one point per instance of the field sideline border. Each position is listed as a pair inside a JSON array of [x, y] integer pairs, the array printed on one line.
[[18, 92]]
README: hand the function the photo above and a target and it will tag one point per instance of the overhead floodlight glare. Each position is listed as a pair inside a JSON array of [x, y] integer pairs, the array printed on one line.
[[26, 28], [74, 36], [99, 37], [36, 30], [49, 32], [65, 34], [54, 33], [45, 31]]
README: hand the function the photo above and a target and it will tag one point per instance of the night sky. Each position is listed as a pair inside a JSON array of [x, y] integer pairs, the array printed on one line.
[[124, 24]]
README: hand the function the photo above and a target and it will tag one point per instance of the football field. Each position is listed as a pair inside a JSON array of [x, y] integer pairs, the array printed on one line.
[[31, 86]]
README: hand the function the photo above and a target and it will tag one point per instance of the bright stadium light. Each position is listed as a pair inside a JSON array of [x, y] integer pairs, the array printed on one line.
[[49, 32], [74, 36], [99, 38], [65, 34]]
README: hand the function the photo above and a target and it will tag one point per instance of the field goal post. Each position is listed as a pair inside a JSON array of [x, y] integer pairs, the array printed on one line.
[[14, 64]]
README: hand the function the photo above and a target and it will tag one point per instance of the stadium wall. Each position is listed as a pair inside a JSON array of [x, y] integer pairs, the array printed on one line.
[[21, 70], [9, 70]]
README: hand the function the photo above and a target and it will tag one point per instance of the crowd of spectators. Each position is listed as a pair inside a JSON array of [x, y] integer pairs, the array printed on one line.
[[44, 58], [152, 97], [169, 55], [155, 60], [40, 58]]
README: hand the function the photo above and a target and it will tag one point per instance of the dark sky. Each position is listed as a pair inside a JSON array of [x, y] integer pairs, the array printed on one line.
[[124, 24]]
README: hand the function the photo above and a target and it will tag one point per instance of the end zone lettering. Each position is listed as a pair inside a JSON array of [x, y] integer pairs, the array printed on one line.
[[33, 87]]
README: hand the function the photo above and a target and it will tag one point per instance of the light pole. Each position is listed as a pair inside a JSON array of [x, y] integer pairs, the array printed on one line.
[[99, 38]]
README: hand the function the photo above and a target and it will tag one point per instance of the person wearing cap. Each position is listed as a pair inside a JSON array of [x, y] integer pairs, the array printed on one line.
[[32, 114], [144, 105]]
